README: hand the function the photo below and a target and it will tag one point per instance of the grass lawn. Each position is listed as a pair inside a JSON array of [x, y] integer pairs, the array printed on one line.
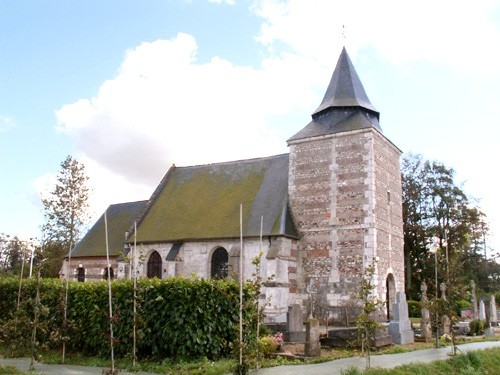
[[225, 366]]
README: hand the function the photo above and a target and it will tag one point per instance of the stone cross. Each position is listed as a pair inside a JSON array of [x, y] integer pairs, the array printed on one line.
[[482, 311], [475, 314], [493, 310], [312, 345], [400, 327], [425, 326], [295, 324], [446, 325], [443, 291]]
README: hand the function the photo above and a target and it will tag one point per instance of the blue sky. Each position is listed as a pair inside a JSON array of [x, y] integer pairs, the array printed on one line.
[[131, 87]]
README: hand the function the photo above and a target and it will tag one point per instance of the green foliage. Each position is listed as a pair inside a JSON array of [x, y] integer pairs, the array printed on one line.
[[476, 327], [462, 304], [180, 318], [414, 309], [353, 370], [434, 205], [365, 321], [65, 211], [10, 370], [14, 255], [470, 363], [268, 345], [497, 297]]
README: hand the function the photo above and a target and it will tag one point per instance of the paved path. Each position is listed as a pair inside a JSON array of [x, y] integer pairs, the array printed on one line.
[[43, 368], [384, 360], [326, 368]]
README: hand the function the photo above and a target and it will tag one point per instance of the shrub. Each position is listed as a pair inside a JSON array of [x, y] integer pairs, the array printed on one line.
[[414, 309], [267, 345], [178, 317], [462, 304], [476, 327]]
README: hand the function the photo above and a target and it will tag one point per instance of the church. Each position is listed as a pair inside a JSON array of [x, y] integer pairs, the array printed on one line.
[[315, 217]]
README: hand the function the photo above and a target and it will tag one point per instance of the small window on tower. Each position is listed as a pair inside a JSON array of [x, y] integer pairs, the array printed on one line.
[[388, 197]]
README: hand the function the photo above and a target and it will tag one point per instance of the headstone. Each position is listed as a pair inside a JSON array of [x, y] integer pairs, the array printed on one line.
[[442, 286], [489, 332], [475, 314], [295, 324], [313, 346], [493, 311], [482, 311], [446, 325], [425, 322], [400, 327]]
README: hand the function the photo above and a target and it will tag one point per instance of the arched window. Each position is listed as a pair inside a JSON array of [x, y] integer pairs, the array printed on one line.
[[219, 263], [108, 271], [390, 297], [154, 265], [80, 276]]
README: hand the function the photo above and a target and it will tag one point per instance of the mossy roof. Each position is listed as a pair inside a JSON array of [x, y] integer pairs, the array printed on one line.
[[120, 218], [203, 202]]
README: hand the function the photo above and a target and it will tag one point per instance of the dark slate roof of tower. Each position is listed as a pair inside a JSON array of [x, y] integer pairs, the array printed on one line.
[[345, 88], [120, 218], [345, 106], [203, 202]]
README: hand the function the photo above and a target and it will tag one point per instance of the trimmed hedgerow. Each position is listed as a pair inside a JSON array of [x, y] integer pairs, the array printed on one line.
[[177, 317]]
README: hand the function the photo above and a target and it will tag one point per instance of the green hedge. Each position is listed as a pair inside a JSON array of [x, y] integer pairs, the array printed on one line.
[[177, 317]]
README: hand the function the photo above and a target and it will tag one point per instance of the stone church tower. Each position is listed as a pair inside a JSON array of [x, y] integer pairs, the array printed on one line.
[[345, 195]]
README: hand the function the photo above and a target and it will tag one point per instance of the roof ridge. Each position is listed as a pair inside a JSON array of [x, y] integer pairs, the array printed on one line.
[[124, 203], [235, 161]]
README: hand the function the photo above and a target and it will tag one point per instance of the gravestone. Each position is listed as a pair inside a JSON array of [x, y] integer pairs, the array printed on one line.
[[400, 327], [489, 332], [475, 314], [482, 311], [295, 324], [493, 311], [425, 322], [446, 319], [313, 346], [446, 325], [442, 286]]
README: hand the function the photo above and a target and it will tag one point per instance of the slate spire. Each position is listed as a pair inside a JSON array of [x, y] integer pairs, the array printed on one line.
[[345, 88], [345, 106]]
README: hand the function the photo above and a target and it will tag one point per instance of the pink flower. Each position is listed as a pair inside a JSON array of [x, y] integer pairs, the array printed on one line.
[[278, 337]]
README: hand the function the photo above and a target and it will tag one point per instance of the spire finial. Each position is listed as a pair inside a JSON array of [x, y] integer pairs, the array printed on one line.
[[343, 33]]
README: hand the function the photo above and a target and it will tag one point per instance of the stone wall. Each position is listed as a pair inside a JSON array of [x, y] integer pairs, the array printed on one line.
[[345, 194], [388, 213], [277, 269], [93, 268], [310, 189]]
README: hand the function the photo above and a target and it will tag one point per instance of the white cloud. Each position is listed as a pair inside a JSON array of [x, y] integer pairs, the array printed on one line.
[[6, 123], [461, 34], [163, 107]]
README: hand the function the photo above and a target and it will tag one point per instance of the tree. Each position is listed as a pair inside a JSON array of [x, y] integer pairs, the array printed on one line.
[[434, 206], [65, 213], [13, 252], [366, 322]]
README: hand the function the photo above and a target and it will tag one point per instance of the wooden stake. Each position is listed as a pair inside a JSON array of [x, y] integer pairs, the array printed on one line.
[[108, 271]]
